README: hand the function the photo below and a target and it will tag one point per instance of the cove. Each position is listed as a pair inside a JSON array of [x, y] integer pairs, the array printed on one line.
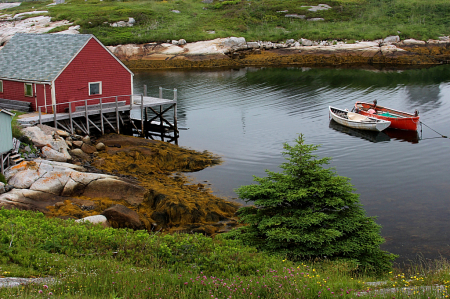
[[245, 115]]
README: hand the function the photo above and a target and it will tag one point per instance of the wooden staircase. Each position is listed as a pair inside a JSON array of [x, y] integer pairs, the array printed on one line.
[[15, 159]]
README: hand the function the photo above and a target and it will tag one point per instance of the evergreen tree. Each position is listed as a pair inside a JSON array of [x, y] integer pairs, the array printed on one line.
[[307, 212]]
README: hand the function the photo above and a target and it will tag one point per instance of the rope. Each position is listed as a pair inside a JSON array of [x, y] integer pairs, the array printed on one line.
[[443, 136]]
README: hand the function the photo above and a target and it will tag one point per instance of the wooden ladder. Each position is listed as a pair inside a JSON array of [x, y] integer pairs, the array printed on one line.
[[15, 158]]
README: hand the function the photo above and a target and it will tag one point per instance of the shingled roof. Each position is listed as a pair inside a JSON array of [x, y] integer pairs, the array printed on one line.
[[39, 57]]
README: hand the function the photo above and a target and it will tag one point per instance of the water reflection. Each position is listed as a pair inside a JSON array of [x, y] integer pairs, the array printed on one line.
[[371, 136], [422, 95], [403, 135], [246, 115]]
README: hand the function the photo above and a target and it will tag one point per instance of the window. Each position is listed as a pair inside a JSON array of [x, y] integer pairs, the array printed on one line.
[[95, 88], [1, 86], [28, 89]]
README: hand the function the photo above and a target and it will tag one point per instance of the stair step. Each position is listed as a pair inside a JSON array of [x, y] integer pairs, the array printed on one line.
[[16, 156]]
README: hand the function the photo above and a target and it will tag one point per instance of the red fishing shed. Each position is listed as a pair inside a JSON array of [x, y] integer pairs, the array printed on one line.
[[53, 70]]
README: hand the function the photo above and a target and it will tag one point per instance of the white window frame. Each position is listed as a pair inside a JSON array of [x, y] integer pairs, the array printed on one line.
[[1, 85], [25, 86], [99, 87]]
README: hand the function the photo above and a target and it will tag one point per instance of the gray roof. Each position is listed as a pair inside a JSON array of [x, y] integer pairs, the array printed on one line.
[[39, 57]]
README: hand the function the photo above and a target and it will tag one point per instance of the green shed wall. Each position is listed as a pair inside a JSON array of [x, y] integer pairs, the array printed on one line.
[[5, 133]]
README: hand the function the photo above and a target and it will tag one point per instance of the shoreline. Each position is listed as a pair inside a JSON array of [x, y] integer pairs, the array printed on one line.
[[236, 52], [126, 181]]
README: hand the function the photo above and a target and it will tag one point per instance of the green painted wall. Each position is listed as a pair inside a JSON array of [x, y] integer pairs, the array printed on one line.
[[5, 132]]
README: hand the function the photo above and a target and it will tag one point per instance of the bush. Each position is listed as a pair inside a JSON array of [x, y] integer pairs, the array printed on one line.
[[308, 212]]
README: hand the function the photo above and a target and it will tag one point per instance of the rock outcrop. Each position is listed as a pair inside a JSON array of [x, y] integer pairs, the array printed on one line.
[[37, 24], [123, 217], [97, 219], [53, 148], [143, 194], [236, 51]]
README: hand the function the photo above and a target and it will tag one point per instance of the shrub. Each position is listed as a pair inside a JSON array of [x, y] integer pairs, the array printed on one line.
[[308, 212]]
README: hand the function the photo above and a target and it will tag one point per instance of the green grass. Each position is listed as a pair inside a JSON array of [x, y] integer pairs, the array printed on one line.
[[252, 19], [93, 262], [15, 126]]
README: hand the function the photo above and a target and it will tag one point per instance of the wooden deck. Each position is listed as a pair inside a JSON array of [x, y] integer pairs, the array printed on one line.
[[139, 103]]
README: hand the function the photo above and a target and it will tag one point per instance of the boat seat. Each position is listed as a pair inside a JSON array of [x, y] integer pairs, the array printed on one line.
[[356, 117]]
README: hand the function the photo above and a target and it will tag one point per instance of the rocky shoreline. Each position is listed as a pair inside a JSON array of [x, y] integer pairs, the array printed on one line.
[[121, 181], [238, 52]]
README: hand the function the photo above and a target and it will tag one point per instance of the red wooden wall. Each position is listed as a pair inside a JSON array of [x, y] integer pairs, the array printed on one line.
[[13, 90], [93, 64]]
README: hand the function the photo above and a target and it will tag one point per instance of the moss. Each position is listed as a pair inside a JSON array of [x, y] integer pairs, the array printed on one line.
[[2, 179], [173, 202], [413, 55]]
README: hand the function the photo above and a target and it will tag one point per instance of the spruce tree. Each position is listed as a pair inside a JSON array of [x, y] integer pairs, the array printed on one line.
[[308, 212]]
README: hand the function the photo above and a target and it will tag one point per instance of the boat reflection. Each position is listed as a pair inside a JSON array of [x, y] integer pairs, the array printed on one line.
[[385, 135], [371, 136], [403, 135]]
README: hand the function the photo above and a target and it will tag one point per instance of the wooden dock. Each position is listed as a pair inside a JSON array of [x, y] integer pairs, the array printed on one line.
[[108, 114]]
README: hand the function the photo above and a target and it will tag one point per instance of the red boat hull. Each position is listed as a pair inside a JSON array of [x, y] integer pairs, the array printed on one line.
[[399, 120]]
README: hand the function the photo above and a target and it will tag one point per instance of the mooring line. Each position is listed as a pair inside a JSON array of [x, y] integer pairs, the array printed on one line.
[[443, 136]]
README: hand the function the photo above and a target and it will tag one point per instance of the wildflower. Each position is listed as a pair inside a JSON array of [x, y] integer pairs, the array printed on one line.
[[45, 286], [40, 292]]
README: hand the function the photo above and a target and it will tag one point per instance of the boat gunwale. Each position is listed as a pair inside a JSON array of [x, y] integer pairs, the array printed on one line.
[[373, 119], [410, 115], [407, 121]]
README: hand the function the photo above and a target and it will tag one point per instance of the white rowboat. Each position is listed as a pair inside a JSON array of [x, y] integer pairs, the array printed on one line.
[[357, 121]]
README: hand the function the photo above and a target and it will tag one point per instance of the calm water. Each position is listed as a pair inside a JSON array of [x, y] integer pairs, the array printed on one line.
[[245, 116]]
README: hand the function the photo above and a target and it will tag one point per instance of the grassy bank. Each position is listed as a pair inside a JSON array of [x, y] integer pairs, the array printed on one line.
[[253, 19], [93, 262]]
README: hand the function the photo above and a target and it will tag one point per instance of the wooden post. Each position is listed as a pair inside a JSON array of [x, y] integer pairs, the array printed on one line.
[[131, 104], [54, 117], [70, 118], [87, 117], [161, 122], [160, 92], [145, 109], [101, 117], [175, 123], [117, 116], [2, 169], [40, 115], [142, 115]]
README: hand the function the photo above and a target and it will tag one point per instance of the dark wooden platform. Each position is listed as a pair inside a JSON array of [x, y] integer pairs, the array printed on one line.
[[104, 116]]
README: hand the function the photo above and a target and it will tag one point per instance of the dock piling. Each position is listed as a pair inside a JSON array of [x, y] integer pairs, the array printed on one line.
[[87, 117], [70, 118], [117, 116], [142, 115], [54, 117], [101, 117]]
